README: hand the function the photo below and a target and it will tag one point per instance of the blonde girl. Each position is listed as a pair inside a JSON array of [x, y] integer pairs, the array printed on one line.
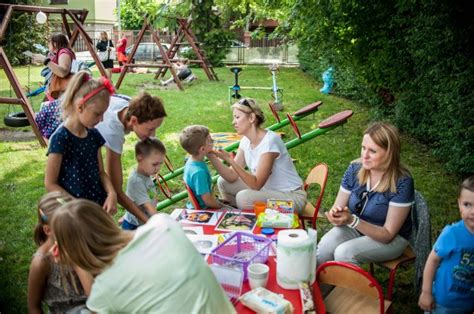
[[153, 269], [60, 290], [74, 159]]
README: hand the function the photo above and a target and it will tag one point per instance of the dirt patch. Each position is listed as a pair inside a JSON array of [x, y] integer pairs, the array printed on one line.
[[9, 135], [158, 86]]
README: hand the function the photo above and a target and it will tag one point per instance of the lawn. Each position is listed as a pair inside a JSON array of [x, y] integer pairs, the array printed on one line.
[[22, 163]]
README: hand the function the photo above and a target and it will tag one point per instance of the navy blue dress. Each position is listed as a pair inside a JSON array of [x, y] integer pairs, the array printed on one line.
[[79, 173]]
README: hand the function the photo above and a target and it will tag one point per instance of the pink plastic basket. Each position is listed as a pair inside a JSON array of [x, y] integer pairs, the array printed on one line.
[[240, 250]]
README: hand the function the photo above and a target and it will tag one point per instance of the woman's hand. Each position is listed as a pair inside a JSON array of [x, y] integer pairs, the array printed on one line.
[[426, 301], [224, 155], [339, 216], [110, 204]]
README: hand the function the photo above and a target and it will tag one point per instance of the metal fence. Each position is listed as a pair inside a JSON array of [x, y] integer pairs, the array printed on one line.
[[258, 51], [284, 54]]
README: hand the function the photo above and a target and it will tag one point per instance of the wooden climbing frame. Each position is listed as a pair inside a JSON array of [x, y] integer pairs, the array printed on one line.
[[185, 33], [168, 57]]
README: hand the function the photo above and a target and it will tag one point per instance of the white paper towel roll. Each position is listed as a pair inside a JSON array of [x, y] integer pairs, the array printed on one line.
[[296, 257]]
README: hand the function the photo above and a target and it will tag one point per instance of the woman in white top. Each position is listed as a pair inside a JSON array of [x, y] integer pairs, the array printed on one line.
[[271, 171]]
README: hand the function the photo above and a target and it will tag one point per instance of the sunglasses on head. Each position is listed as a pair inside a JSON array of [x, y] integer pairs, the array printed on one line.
[[245, 102], [360, 205]]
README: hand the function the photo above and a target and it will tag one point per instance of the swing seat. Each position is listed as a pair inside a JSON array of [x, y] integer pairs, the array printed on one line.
[[36, 92], [16, 120]]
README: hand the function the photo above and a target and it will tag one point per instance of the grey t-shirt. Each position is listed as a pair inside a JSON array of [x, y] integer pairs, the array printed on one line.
[[141, 190]]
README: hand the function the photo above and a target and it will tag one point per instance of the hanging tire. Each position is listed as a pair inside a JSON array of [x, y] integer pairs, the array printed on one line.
[[16, 120]]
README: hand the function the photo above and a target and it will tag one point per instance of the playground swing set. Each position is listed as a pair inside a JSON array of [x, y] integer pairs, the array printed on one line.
[[168, 57], [76, 16], [277, 93]]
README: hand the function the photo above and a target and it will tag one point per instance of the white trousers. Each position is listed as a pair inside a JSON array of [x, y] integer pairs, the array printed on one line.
[[240, 195], [348, 245]]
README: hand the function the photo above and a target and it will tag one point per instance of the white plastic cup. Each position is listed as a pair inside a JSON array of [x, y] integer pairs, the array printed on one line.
[[258, 275]]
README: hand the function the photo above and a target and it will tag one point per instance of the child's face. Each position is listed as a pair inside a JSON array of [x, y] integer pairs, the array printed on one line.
[[209, 145], [466, 208], [151, 164], [91, 113]]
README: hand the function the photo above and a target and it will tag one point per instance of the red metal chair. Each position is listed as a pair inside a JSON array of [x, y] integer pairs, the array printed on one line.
[[317, 175], [192, 197], [355, 290]]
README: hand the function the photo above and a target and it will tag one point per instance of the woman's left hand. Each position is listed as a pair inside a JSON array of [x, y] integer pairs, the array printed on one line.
[[110, 204]]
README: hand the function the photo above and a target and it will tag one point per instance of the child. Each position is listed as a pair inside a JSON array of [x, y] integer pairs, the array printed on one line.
[[150, 154], [197, 141], [182, 71], [74, 160], [451, 262], [45, 281]]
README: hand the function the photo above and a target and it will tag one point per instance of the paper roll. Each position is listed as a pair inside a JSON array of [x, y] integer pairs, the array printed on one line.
[[296, 257]]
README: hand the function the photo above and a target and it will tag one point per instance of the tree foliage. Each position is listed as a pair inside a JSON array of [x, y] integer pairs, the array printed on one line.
[[21, 33], [410, 60]]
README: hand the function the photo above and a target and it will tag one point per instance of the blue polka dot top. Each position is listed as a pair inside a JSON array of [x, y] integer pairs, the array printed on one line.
[[79, 173]]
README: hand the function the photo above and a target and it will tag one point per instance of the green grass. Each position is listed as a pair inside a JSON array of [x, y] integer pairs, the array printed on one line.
[[22, 163]]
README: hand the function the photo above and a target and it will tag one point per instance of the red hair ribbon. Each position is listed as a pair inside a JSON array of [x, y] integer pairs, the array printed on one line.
[[106, 84]]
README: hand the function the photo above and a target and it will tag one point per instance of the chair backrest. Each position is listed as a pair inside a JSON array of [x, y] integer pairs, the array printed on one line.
[[421, 235], [317, 175], [192, 197], [350, 276]]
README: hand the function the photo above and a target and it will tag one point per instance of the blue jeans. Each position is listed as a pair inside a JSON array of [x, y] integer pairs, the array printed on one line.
[[128, 226]]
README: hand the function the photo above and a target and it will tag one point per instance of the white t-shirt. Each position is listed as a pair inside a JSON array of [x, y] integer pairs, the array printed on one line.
[[159, 271], [111, 129], [283, 175]]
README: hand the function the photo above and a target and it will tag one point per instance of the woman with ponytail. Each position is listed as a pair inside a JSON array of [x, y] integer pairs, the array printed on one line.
[[74, 160]]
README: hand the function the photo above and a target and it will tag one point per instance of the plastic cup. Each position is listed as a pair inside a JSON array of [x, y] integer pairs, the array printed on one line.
[[258, 275], [259, 207]]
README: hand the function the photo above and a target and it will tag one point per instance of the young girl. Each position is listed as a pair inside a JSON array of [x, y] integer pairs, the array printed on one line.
[[74, 159], [60, 290]]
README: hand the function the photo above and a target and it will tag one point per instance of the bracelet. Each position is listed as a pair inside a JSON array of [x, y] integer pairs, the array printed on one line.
[[46, 61], [355, 222]]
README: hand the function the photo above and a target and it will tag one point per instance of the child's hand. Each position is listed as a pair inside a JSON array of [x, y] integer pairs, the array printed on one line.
[[426, 301], [110, 204]]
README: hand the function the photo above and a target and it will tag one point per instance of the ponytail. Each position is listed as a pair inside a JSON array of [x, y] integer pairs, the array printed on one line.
[[80, 85], [46, 206]]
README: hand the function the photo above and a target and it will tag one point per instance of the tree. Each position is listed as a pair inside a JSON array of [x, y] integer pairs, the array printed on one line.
[[22, 32]]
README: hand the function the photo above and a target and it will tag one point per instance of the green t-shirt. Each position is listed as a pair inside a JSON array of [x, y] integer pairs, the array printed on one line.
[[159, 271]]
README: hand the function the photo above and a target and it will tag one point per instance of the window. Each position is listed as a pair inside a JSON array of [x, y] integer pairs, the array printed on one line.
[[58, 1]]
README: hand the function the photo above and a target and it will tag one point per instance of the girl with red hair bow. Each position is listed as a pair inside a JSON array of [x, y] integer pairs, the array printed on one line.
[[74, 159]]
